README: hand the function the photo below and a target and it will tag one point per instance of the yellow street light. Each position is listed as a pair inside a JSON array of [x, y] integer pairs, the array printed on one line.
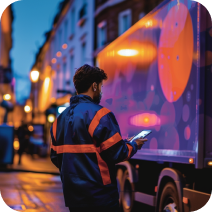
[[27, 108], [51, 118], [34, 75], [16, 144], [7, 97]]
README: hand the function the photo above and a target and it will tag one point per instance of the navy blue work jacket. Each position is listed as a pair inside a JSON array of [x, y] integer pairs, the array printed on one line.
[[86, 145]]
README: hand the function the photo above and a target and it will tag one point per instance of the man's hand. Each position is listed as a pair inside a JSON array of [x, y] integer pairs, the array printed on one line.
[[140, 142], [129, 139]]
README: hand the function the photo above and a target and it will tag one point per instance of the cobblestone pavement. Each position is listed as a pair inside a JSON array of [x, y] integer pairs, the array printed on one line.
[[32, 192]]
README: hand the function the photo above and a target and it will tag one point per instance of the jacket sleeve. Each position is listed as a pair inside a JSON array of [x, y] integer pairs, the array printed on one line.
[[53, 154], [109, 142]]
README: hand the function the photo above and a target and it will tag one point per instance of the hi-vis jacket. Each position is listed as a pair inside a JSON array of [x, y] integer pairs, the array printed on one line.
[[86, 145]]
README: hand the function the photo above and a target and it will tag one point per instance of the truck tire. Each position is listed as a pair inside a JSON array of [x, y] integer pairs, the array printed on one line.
[[169, 199], [128, 189], [119, 178]]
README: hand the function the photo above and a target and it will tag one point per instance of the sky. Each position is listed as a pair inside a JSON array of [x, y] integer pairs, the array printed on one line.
[[32, 18]]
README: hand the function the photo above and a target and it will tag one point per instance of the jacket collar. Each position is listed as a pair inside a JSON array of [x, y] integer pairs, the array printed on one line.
[[75, 100]]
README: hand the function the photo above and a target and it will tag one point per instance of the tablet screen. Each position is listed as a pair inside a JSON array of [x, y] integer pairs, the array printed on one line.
[[142, 134]]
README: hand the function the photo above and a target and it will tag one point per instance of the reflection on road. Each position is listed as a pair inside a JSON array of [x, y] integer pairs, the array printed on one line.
[[32, 192]]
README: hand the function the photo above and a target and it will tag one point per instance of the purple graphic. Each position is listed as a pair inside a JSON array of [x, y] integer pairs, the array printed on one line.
[[185, 113]]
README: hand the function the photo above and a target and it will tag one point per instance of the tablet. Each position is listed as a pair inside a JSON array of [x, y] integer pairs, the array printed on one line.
[[142, 134]]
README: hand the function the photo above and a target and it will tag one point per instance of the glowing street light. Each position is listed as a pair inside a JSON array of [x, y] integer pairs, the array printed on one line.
[[27, 108], [51, 118], [16, 144], [34, 75], [7, 97]]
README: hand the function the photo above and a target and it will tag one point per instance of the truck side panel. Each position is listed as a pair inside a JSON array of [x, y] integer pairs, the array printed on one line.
[[153, 81]]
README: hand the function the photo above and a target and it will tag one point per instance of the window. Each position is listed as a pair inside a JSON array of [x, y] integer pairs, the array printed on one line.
[[72, 68], [72, 21], [82, 12], [83, 53], [65, 31], [124, 21], [101, 34]]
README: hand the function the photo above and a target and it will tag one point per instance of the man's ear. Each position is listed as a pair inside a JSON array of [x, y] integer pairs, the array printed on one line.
[[94, 85]]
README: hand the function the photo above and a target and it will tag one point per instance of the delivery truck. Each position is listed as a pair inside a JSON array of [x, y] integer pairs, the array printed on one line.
[[160, 79]]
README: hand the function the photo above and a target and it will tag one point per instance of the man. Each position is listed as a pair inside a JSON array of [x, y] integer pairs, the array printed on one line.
[[86, 145], [23, 137]]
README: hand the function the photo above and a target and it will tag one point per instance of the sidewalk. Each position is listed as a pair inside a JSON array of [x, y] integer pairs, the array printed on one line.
[[40, 165]]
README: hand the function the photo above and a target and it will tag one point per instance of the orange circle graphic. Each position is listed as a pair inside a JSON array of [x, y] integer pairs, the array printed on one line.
[[175, 52]]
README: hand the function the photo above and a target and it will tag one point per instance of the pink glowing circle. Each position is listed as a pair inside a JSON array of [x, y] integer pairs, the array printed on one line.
[[169, 139], [153, 143], [186, 113], [187, 133], [167, 113], [156, 100]]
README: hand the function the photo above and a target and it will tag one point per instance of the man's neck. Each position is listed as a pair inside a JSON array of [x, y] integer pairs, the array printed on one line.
[[88, 94]]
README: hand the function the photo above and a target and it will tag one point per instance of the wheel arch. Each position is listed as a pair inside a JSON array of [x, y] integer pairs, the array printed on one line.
[[170, 175], [133, 174]]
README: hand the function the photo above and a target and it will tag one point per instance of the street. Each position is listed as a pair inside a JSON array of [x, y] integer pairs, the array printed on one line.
[[25, 190], [32, 192]]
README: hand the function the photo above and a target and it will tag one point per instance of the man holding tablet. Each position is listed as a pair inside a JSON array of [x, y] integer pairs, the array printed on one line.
[[86, 145]]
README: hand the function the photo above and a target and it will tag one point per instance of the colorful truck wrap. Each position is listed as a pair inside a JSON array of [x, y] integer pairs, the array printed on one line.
[[160, 78]]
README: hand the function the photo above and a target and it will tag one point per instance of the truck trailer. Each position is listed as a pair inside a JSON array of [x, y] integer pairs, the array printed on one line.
[[160, 79]]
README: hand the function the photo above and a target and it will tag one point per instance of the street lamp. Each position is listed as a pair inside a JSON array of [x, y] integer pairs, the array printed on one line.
[[34, 75], [27, 108], [16, 144], [7, 97], [51, 118]]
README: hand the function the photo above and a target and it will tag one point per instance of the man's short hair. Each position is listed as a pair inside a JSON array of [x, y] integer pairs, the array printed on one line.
[[86, 75]]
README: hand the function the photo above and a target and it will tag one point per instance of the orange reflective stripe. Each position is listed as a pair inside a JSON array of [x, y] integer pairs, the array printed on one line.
[[104, 171], [110, 142], [80, 148], [95, 121], [130, 148], [86, 148], [54, 129]]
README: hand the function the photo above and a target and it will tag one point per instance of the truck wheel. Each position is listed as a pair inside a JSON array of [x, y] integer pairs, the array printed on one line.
[[169, 201], [128, 193], [119, 177]]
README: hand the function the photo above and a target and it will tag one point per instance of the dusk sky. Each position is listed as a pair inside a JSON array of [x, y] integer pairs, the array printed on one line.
[[32, 19]]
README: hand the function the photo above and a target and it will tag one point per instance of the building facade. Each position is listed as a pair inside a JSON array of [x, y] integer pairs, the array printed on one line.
[[7, 97], [69, 45], [114, 17]]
